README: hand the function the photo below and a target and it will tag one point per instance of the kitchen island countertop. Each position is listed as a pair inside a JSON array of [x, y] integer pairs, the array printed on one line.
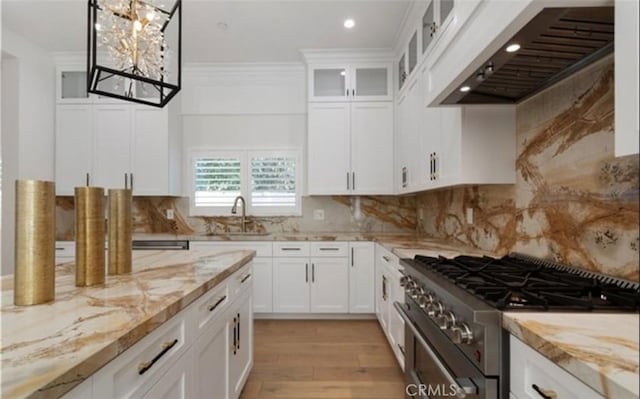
[[49, 348], [600, 349]]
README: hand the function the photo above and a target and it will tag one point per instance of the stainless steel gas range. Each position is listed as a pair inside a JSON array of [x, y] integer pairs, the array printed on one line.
[[454, 342]]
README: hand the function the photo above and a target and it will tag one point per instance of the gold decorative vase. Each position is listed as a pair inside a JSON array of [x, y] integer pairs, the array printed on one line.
[[35, 242], [90, 236], [119, 231]]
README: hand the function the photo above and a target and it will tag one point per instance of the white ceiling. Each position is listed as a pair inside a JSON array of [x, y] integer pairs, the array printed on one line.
[[258, 31]]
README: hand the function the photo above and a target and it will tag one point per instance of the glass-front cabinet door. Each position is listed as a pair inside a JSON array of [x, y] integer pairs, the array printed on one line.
[[428, 26], [329, 83], [72, 85], [371, 82], [354, 82]]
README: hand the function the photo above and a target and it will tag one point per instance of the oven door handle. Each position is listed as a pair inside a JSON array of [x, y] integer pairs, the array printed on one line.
[[463, 386]]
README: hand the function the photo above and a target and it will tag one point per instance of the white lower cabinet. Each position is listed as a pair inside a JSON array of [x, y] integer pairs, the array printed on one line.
[[361, 277], [388, 290], [316, 284], [204, 351], [241, 356], [329, 285], [211, 357], [533, 375], [176, 383], [291, 291]]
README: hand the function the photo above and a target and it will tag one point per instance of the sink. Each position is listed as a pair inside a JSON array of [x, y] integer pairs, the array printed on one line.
[[239, 233]]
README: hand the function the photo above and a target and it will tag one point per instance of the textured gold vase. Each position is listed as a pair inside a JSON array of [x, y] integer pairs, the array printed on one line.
[[119, 231], [35, 242], [90, 236]]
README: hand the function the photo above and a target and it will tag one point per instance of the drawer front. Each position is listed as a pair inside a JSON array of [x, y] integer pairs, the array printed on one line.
[[387, 259], [65, 249], [262, 248], [329, 249], [131, 374], [531, 371], [241, 281], [291, 249], [210, 306]]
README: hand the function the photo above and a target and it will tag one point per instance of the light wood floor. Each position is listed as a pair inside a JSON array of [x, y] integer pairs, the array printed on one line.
[[314, 359]]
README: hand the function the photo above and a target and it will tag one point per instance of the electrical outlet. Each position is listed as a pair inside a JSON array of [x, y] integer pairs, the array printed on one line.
[[318, 214], [170, 214], [420, 213], [469, 215]]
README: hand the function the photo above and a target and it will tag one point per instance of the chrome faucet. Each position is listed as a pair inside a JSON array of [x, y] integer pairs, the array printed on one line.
[[234, 210]]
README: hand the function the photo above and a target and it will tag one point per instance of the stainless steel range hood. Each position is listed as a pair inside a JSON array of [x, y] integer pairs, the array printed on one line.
[[553, 45]]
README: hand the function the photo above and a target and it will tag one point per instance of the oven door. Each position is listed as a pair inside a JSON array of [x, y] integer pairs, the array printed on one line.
[[429, 376]]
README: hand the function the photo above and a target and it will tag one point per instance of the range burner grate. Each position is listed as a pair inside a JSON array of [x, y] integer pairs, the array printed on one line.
[[520, 282]]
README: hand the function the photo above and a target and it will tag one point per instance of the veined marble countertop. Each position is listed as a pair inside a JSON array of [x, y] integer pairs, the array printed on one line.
[[47, 349], [600, 349]]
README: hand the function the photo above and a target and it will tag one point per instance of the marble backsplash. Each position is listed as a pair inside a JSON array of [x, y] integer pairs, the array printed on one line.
[[379, 215], [573, 201]]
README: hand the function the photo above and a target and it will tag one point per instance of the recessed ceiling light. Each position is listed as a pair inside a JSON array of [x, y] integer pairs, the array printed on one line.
[[465, 89], [512, 48], [349, 23], [343, 73]]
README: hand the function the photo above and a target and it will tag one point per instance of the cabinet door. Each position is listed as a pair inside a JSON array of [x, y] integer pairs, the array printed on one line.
[[71, 84], [176, 383], [329, 149], [211, 360], [329, 83], [291, 278], [241, 356], [361, 277], [428, 26], [396, 334], [448, 166], [112, 141], [372, 148], [262, 285], [415, 135], [329, 285], [402, 149], [626, 77], [371, 82], [74, 135], [150, 169]]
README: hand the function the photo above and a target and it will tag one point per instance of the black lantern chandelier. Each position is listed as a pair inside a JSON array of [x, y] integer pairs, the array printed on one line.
[[134, 50]]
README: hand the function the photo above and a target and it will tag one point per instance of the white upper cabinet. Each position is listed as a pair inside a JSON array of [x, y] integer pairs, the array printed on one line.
[[435, 21], [372, 148], [74, 147], [350, 82], [329, 164], [111, 143], [350, 148], [626, 77], [112, 140]]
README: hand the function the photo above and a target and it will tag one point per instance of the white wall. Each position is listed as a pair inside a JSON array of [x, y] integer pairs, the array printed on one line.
[[243, 106], [28, 125]]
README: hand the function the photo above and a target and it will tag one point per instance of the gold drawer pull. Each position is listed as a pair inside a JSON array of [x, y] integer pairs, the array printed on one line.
[[145, 366]]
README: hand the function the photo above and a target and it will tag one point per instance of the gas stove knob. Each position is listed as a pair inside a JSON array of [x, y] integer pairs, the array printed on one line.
[[403, 281], [446, 320], [429, 297], [462, 334], [434, 309], [416, 292]]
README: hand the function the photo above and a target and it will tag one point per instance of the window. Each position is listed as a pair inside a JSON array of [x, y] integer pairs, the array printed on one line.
[[268, 180]]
